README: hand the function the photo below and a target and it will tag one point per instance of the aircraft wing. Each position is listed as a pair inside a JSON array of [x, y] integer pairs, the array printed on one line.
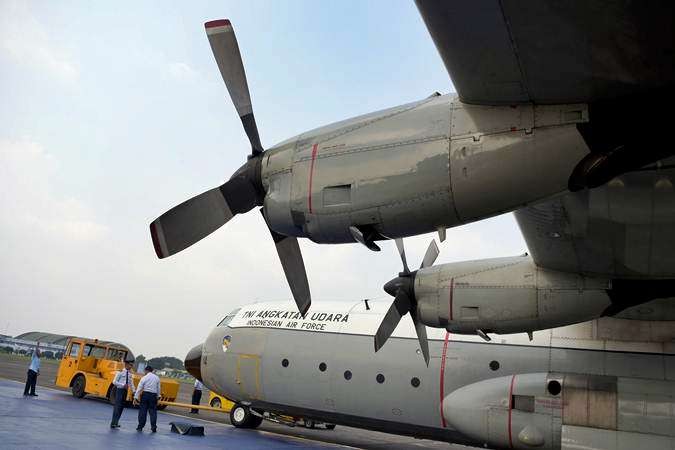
[[625, 229], [548, 51]]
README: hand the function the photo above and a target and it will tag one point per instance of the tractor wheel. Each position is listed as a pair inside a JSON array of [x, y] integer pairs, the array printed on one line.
[[78, 386], [215, 403]]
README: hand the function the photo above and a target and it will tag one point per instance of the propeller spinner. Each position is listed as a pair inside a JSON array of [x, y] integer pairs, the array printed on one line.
[[402, 289], [194, 219]]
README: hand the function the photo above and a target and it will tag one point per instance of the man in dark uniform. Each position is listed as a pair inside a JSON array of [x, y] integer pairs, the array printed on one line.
[[149, 390], [122, 383], [197, 395], [33, 372]]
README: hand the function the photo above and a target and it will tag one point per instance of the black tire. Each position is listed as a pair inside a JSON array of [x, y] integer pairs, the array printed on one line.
[[309, 423], [256, 421], [241, 417], [215, 403], [330, 426], [78, 385]]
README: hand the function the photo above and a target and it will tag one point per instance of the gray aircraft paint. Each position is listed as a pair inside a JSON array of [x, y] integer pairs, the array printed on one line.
[[622, 229], [251, 369], [447, 163]]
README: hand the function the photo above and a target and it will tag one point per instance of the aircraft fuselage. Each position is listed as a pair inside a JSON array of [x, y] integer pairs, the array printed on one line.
[[501, 394]]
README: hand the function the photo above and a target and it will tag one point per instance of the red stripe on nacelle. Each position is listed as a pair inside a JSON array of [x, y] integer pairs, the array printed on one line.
[[217, 23], [452, 282], [311, 177]]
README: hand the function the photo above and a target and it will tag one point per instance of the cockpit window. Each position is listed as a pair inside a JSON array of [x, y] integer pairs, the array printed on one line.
[[226, 320]]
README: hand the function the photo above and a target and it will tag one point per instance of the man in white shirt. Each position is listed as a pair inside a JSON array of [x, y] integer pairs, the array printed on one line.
[[197, 395], [149, 389], [33, 372], [123, 382]]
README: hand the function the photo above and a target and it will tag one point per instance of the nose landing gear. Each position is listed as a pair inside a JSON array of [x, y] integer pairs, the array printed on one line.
[[242, 417]]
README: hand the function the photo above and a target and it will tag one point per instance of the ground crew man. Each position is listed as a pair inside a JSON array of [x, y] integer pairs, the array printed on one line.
[[33, 372], [123, 382], [197, 395], [149, 389]]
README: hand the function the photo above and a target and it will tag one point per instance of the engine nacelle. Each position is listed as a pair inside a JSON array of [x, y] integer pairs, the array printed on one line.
[[515, 411], [419, 167], [506, 295], [540, 410]]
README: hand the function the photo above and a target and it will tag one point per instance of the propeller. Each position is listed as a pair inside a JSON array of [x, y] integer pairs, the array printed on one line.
[[402, 289], [194, 219]]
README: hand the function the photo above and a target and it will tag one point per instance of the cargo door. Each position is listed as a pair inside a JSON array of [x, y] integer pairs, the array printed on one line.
[[248, 376]]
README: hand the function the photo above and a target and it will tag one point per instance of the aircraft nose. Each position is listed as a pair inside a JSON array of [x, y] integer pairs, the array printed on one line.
[[193, 362]]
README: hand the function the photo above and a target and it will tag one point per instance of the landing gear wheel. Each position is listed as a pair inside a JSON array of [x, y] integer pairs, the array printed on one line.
[[78, 386], [241, 417], [215, 403]]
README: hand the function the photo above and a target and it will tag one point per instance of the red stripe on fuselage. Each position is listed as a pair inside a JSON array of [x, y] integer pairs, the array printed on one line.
[[513, 378], [442, 387], [311, 176]]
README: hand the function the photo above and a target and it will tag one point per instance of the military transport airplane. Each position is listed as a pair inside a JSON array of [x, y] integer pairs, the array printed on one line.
[[552, 98], [605, 384]]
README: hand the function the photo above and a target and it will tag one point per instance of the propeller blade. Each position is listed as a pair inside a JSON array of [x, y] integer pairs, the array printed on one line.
[[226, 51], [421, 330], [189, 222], [194, 219], [294, 268], [430, 256], [401, 252], [397, 310]]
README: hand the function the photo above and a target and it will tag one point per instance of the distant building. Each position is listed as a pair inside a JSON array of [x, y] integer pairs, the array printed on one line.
[[55, 343]]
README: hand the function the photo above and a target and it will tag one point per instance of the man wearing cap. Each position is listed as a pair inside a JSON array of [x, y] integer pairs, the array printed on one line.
[[149, 389], [123, 382], [33, 372]]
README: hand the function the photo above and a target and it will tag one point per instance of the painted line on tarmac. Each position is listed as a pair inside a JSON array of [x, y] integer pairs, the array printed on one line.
[[299, 438]]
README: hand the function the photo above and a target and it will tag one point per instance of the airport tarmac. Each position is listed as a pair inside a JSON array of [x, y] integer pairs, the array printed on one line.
[[55, 419]]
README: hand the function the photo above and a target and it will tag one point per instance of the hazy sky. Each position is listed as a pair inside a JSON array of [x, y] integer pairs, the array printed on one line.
[[113, 112]]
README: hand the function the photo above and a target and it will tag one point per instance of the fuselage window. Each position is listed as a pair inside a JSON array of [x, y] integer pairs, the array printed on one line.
[[415, 382], [284, 362], [348, 375], [380, 378], [322, 367]]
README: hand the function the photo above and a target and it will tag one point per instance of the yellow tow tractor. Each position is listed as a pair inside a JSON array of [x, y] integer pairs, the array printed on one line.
[[220, 402], [89, 366]]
